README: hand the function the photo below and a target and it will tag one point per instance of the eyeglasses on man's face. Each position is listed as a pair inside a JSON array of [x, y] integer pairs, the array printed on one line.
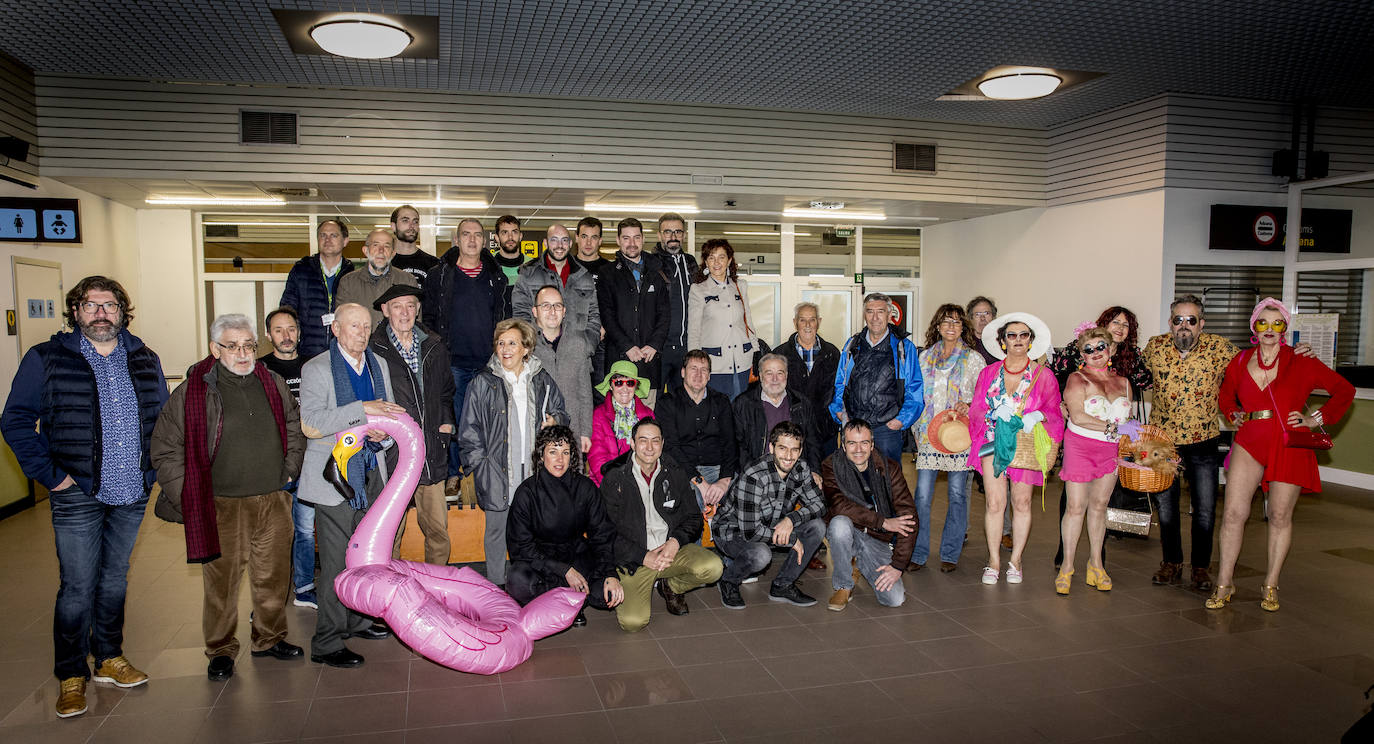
[[90, 308], [247, 347]]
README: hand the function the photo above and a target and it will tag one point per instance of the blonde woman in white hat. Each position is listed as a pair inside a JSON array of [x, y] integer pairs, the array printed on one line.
[[950, 364]]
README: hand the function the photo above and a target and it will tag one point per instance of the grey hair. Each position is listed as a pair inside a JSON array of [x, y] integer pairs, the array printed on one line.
[[773, 357], [232, 321], [1188, 299], [877, 297], [803, 305]]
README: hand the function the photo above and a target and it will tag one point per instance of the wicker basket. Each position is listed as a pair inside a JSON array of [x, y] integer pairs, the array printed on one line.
[[1136, 479], [1025, 453]]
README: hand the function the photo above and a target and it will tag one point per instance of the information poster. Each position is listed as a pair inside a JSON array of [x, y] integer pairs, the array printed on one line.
[[1317, 330]]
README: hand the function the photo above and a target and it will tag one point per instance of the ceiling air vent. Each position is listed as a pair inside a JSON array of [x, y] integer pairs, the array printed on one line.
[[221, 231], [913, 158], [267, 128]]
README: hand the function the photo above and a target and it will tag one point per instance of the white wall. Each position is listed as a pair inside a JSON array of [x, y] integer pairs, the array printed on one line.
[[166, 266], [1064, 264], [109, 248]]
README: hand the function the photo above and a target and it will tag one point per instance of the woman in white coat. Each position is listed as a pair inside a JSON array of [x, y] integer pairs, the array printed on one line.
[[718, 320]]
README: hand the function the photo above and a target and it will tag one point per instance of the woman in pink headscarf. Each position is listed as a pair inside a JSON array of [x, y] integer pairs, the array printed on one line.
[[1264, 393]]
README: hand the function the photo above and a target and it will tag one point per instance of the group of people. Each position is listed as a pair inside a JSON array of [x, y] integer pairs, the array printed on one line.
[[608, 415]]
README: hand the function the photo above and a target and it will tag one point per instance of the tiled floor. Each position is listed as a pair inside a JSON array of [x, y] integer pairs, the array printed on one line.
[[960, 662]]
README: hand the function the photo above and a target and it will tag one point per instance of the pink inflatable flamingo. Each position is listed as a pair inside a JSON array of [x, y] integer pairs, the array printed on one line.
[[452, 616]]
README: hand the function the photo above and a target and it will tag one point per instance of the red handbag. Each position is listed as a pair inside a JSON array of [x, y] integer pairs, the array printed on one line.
[[1299, 438]]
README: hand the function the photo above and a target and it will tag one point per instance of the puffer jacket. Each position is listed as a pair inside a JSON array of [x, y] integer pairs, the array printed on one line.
[[428, 399], [55, 389], [905, 394], [307, 294], [483, 428], [583, 313]]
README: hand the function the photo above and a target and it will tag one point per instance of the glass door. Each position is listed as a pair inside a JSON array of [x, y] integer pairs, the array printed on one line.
[[839, 306]]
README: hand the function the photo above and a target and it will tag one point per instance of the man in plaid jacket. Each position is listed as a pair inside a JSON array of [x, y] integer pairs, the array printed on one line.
[[774, 502]]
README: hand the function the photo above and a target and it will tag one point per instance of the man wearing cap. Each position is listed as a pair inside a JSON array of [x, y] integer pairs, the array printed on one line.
[[872, 518], [364, 287], [417, 362], [879, 378]]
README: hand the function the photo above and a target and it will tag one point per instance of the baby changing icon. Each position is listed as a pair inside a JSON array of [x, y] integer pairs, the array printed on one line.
[[57, 223]]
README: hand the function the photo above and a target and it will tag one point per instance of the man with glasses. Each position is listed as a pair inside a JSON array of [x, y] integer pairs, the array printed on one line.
[[312, 286], [364, 287], [981, 310], [405, 225], [94, 393], [1188, 366], [227, 446], [879, 378], [567, 358], [872, 518], [679, 266], [578, 289]]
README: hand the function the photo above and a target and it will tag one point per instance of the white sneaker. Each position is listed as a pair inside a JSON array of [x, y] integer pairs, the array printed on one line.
[[1013, 574], [990, 575]]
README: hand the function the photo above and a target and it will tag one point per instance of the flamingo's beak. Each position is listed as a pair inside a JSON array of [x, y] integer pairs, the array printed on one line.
[[349, 444]]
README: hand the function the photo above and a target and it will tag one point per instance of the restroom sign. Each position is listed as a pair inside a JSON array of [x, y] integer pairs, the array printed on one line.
[[40, 220]]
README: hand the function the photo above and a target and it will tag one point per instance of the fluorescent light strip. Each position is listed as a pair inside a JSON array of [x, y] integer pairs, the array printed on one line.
[[433, 204], [786, 232], [660, 208], [208, 201], [261, 224], [423, 227], [833, 214]]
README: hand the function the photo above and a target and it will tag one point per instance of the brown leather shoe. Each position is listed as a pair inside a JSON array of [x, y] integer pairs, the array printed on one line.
[[71, 698], [677, 604], [816, 564], [839, 600], [1168, 573], [913, 567], [1202, 581], [946, 566], [1006, 542]]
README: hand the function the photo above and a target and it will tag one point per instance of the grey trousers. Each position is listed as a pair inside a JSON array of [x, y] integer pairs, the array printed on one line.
[[334, 526], [494, 546]]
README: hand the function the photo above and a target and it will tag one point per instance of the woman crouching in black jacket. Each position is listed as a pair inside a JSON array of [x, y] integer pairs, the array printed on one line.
[[558, 533]]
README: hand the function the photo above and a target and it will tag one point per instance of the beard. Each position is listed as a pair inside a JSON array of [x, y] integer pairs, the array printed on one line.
[[1184, 340], [410, 236], [100, 330]]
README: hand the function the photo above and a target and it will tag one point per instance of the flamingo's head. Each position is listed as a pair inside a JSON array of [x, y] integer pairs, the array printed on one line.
[[349, 444]]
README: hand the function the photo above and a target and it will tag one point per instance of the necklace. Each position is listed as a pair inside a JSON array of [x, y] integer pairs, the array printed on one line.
[[1259, 359], [1010, 371]]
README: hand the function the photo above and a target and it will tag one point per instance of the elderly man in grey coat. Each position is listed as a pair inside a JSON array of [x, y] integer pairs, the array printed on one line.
[[567, 358], [339, 390]]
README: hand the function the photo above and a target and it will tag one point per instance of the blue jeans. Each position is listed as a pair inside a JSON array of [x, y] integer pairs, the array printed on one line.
[[956, 518], [302, 545], [712, 474], [748, 557], [887, 441], [848, 543], [729, 383], [94, 541], [461, 377], [1200, 463]]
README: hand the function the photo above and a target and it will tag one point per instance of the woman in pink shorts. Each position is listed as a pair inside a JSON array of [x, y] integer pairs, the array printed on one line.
[[1099, 405]]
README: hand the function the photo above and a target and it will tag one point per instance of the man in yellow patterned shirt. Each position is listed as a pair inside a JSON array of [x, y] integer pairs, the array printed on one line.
[[1187, 366]]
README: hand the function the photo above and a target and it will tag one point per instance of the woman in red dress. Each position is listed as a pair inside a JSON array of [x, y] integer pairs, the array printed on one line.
[[1263, 393]]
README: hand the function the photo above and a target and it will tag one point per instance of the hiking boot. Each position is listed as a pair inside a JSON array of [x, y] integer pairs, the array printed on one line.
[[1168, 573], [1202, 581]]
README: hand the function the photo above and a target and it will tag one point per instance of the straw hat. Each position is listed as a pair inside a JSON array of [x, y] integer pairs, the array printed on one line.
[[948, 432]]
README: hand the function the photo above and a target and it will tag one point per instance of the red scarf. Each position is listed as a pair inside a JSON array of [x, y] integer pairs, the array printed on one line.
[[197, 494]]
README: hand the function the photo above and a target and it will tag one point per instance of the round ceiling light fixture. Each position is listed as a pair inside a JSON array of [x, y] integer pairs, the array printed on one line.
[[361, 39], [1020, 86]]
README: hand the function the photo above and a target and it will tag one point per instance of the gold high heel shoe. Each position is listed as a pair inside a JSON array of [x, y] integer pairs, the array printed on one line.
[[1220, 596], [1061, 582], [1098, 579], [1269, 598]]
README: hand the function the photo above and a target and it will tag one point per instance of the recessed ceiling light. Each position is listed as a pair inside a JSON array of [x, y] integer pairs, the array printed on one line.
[[1019, 86], [660, 208], [832, 214], [206, 201], [361, 39], [432, 204]]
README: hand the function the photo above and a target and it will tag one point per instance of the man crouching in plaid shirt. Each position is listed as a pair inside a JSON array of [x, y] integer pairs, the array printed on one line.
[[775, 501]]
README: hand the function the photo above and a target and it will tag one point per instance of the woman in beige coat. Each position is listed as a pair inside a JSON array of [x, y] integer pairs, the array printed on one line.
[[718, 319]]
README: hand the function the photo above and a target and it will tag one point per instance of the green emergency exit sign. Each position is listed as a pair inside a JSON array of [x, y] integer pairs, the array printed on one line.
[[859, 278]]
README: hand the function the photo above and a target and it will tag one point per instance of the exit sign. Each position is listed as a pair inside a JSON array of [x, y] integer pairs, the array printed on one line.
[[859, 278], [844, 232]]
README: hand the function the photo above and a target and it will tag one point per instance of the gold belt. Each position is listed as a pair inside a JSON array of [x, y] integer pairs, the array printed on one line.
[[1256, 415]]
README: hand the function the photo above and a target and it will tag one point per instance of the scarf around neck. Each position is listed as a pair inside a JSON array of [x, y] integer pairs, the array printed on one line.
[[366, 460]]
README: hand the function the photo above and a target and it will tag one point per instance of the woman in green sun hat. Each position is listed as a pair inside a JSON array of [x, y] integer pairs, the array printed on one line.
[[613, 419]]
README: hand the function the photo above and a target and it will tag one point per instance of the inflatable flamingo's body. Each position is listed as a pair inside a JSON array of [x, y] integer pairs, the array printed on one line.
[[452, 616]]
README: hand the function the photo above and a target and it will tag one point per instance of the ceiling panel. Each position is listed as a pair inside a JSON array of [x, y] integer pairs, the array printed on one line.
[[869, 57]]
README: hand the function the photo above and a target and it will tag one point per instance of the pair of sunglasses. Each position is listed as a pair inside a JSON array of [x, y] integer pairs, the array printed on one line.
[[1090, 350], [623, 382], [1178, 320], [1262, 326], [1014, 335]]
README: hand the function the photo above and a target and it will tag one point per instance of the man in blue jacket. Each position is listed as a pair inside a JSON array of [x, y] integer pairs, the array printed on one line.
[[311, 286], [79, 418], [879, 379]]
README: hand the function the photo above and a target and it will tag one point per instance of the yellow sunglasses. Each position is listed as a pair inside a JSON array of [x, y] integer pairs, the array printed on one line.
[[1262, 326]]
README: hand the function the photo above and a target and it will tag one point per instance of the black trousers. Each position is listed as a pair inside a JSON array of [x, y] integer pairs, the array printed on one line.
[[524, 582]]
